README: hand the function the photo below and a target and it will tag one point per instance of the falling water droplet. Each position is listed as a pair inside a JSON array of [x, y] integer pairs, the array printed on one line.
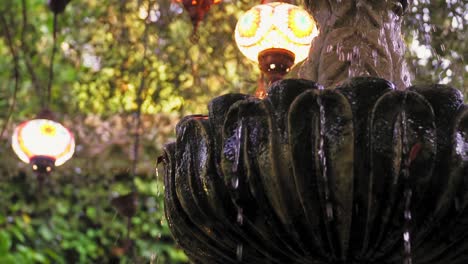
[[329, 211], [235, 182], [237, 147], [406, 236], [408, 215], [239, 252], [407, 247], [329, 48], [374, 57], [351, 71], [240, 216]]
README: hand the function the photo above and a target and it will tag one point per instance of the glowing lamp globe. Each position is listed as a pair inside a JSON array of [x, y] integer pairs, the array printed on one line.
[[43, 143], [276, 35]]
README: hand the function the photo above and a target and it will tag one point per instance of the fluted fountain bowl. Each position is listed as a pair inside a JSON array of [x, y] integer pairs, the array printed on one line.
[[359, 174]]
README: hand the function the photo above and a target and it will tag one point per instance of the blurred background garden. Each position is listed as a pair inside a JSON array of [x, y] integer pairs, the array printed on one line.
[[110, 54]]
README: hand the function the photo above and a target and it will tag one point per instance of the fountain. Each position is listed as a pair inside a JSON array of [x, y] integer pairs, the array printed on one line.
[[367, 171]]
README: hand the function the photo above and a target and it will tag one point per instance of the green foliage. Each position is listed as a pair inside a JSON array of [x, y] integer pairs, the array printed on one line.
[[102, 59], [71, 213], [69, 219]]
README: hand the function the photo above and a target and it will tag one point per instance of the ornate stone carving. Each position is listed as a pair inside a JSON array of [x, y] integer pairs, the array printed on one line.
[[357, 38], [360, 174]]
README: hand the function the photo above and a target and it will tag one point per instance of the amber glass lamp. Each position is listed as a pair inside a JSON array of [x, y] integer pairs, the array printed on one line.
[[197, 9], [277, 35], [43, 143]]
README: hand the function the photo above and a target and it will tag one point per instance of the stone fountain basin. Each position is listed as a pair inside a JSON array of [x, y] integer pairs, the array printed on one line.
[[359, 174]]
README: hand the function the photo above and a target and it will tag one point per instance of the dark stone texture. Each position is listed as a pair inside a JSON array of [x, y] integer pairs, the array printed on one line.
[[317, 176]]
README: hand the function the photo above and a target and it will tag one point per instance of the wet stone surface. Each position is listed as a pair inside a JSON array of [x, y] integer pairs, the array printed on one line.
[[363, 173]]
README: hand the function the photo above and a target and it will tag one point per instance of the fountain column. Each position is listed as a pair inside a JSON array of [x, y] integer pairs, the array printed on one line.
[[357, 38]]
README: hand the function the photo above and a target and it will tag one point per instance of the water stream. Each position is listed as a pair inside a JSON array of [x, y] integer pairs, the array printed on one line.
[[235, 182], [407, 193], [323, 161]]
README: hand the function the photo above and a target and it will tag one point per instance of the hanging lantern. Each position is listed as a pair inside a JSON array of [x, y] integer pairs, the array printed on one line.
[[43, 143], [277, 35], [197, 9], [57, 6]]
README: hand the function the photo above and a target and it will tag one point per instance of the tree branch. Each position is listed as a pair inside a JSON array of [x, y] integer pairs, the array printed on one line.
[[25, 48], [16, 74]]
